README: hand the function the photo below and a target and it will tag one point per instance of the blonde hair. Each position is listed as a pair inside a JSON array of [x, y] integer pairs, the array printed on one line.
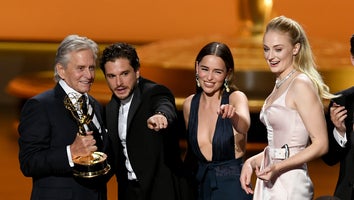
[[304, 60]]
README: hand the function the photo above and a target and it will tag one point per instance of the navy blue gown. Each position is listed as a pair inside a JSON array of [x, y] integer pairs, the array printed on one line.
[[217, 179]]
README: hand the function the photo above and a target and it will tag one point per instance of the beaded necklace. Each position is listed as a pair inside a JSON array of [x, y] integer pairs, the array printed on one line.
[[278, 82]]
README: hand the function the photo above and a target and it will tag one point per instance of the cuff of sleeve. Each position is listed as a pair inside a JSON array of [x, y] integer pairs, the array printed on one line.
[[339, 138], [161, 113], [70, 159]]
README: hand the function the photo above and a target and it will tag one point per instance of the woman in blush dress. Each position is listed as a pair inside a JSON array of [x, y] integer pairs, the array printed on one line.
[[293, 115]]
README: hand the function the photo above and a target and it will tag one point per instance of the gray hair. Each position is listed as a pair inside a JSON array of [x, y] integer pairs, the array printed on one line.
[[70, 44]]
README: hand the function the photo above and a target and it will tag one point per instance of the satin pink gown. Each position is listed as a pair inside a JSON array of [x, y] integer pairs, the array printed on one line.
[[284, 126]]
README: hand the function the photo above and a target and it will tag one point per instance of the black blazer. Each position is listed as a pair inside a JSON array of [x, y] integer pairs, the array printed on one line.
[[154, 156], [46, 127], [345, 183]]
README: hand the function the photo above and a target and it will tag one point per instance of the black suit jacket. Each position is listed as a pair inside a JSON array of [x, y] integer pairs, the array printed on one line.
[[46, 128], [345, 184], [154, 156]]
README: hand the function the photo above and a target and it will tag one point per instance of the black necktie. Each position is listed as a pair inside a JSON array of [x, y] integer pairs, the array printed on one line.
[[83, 101], [91, 125]]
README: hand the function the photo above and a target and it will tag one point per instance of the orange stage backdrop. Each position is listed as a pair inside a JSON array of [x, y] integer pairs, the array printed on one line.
[[144, 21]]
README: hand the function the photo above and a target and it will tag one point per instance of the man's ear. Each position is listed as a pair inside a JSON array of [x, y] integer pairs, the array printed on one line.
[[137, 73], [60, 70]]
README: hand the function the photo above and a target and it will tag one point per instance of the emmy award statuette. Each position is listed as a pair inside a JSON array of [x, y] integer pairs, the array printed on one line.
[[95, 164]]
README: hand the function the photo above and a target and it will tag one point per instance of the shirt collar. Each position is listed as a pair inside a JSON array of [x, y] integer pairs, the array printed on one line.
[[127, 100], [69, 90]]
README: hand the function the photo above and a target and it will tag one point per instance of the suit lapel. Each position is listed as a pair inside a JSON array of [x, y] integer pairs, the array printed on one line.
[[350, 109], [59, 93], [134, 106], [112, 118], [60, 96], [96, 110]]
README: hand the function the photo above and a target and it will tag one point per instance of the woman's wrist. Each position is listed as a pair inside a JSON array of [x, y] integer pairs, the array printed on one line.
[[251, 163]]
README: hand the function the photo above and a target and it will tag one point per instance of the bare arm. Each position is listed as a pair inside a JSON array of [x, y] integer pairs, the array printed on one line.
[[241, 120], [250, 164], [237, 111], [186, 109]]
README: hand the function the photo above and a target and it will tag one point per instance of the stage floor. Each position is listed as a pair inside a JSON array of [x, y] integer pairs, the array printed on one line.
[[16, 186]]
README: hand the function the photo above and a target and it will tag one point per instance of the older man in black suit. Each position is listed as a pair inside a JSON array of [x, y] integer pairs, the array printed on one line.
[[341, 138], [49, 139]]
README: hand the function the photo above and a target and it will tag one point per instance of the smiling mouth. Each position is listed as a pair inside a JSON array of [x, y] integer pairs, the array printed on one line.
[[86, 82], [209, 84], [274, 62]]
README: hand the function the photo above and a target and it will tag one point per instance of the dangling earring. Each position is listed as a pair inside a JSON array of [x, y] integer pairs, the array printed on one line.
[[197, 79], [226, 84]]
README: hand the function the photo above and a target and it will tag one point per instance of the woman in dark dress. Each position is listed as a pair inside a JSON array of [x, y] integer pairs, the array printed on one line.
[[217, 120]]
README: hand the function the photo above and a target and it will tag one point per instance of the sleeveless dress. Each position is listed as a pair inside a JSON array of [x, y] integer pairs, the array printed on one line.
[[217, 179], [284, 127]]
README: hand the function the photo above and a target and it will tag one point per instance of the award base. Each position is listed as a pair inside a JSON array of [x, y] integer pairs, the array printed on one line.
[[91, 166]]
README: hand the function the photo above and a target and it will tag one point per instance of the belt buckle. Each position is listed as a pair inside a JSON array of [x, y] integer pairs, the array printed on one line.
[[287, 151], [282, 153]]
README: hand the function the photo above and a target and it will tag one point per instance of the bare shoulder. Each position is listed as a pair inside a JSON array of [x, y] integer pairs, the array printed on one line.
[[238, 96], [186, 108], [302, 83], [302, 91], [187, 102]]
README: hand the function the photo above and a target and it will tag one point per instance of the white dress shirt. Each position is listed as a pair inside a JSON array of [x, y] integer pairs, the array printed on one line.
[[122, 133]]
